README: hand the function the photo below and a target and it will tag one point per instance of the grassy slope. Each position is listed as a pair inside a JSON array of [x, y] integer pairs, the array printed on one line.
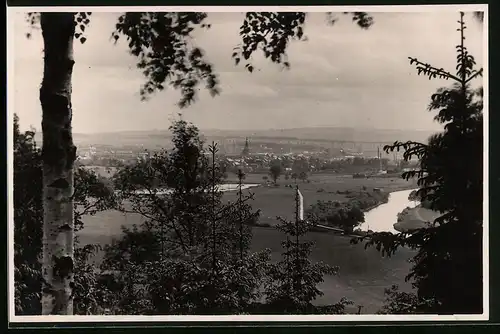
[[363, 274]]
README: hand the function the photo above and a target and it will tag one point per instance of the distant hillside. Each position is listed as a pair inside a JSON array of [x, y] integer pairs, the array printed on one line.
[[329, 133], [162, 137]]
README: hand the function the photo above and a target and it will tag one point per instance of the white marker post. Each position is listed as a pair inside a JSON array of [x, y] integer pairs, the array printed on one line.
[[300, 203]]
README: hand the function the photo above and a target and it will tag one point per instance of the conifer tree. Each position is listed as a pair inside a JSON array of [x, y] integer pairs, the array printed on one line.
[[293, 281], [217, 274], [447, 270]]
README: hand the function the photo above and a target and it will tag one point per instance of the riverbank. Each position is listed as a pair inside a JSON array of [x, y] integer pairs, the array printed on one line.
[[376, 205], [415, 218], [384, 216], [279, 200]]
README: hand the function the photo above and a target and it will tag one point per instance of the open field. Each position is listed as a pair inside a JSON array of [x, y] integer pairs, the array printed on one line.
[[273, 201], [363, 273], [279, 201]]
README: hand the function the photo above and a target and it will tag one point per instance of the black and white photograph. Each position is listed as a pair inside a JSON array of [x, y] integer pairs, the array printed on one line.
[[313, 163]]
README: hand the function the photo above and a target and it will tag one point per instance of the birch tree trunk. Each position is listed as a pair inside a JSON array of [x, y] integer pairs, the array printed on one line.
[[58, 154]]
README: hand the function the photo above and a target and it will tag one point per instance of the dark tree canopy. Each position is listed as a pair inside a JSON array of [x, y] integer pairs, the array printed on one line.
[[272, 32], [167, 53], [28, 211]]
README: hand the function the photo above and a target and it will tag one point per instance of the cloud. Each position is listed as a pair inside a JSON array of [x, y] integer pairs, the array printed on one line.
[[342, 76]]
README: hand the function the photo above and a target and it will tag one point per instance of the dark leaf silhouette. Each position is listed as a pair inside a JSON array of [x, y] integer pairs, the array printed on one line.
[[272, 32], [166, 54], [92, 195]]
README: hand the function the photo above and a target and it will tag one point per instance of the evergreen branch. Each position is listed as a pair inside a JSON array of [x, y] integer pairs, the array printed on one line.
[[478, 73], [431, 71]]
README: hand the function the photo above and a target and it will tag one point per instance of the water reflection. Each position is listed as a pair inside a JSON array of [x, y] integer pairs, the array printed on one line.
[[383, 217]]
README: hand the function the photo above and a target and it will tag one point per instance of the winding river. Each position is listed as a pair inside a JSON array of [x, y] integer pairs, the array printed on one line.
[[383, 217]]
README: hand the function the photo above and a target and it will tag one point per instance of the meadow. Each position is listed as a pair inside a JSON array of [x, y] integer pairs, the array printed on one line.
[[280, 200], [363, 274]]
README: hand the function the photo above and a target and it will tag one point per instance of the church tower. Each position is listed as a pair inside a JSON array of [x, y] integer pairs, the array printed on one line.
[[246, 149]]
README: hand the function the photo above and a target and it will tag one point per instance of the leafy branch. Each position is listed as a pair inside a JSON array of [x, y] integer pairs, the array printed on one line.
[[271, 33], [164, 46]]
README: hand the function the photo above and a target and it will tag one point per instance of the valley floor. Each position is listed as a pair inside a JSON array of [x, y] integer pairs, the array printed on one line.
[[363, 275]]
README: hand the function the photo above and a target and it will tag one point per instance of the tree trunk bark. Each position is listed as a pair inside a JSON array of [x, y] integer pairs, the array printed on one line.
[[59, 155]]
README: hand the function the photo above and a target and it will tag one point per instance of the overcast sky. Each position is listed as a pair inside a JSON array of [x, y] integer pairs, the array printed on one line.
[[342, 76]]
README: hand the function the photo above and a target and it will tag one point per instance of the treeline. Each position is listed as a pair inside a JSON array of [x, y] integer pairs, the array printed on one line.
[[348, 164], [107, 162]]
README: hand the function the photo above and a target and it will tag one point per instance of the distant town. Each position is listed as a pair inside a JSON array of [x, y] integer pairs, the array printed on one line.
[[257, 155]]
